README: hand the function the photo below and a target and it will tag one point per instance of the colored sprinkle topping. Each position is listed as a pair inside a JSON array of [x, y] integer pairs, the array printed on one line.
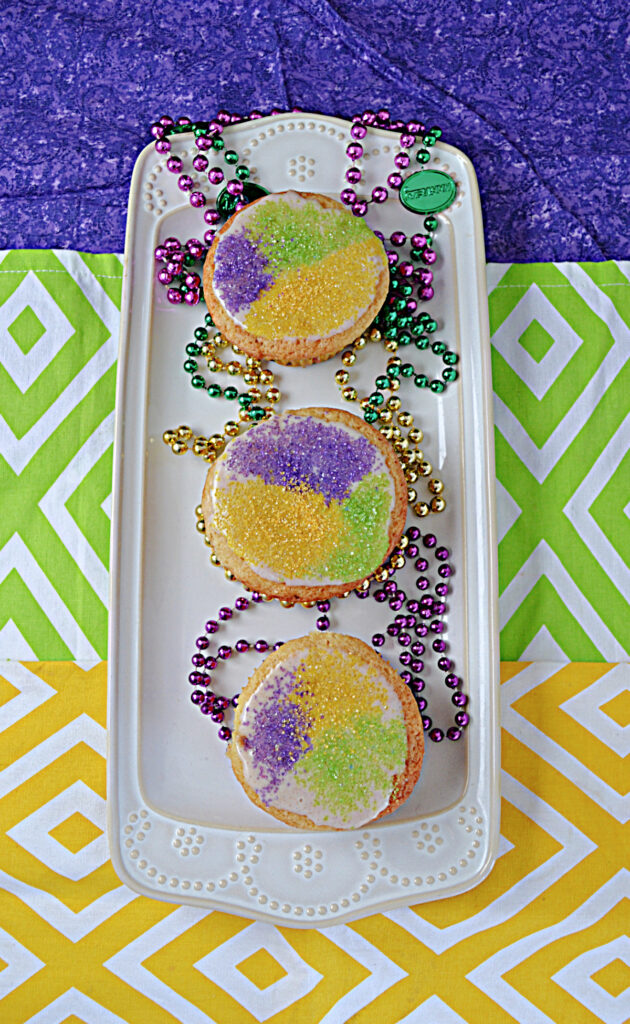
[[302, 451], [293, 232], [304, 500], [240, 272], [289, 268], [324, 735]]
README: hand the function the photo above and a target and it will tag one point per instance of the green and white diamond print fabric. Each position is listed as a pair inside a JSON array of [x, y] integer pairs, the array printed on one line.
[[561, 378], [59, 318]]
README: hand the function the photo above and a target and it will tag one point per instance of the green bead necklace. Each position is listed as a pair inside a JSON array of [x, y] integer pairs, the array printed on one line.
[[205, 346]]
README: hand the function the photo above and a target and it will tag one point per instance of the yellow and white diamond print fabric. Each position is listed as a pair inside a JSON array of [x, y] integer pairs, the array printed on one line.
[[544, 940]]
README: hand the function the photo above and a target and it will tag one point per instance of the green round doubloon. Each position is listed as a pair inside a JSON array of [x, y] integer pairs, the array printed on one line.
[[427, 191]]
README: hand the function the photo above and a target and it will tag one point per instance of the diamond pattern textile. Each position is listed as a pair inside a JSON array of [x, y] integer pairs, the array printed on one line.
[[544, 937]]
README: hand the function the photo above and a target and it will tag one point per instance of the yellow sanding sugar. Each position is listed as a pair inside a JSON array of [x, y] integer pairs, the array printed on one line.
[[297, 527], [333, 688], [321, 298]]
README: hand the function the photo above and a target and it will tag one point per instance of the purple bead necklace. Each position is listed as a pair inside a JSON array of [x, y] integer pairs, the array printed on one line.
[[204, 663], [411, 132], [418, 629], [208, 139], [176, 273], [411, 279]]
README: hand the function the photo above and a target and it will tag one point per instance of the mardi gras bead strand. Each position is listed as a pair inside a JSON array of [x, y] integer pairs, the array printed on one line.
[[417, 620]]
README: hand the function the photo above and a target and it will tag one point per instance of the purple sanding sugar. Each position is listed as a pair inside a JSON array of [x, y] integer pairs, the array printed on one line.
[[279, 736], [239, 272], [301, 450]]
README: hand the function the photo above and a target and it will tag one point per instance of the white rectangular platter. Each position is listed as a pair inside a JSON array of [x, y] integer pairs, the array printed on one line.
[[180, 827]]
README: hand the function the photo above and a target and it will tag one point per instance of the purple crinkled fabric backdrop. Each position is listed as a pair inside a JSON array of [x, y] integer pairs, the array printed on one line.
[[536, 93]]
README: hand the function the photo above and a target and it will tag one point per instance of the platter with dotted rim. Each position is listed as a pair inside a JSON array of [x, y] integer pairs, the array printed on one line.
[[180, 827]]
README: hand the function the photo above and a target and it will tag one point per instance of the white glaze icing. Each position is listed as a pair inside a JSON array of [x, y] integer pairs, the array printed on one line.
[[293, 199], [223, 477], [293, 794]]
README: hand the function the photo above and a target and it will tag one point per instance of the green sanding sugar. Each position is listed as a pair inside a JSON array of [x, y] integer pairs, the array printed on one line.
[[292, 236], [362, 541], [344, 768]]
